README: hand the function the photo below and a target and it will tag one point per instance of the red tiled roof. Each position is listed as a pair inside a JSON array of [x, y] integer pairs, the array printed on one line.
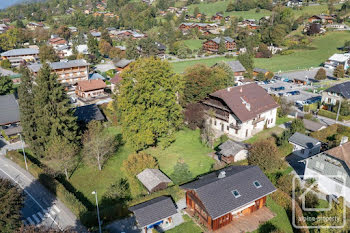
[[341, 152], [246, 101], [90, 85], [117, 79]]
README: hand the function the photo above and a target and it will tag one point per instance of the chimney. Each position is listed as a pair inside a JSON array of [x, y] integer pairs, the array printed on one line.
[[222, 174], [344, 140], [228, 88]]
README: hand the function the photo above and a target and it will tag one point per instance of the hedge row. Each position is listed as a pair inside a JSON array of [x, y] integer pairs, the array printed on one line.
[[58, 189], [332, 115]]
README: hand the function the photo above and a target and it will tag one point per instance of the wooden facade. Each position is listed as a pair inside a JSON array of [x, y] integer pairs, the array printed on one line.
[[195, 206], [212, 46]]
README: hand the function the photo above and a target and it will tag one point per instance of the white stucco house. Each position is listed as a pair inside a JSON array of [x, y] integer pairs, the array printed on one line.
[[240, 112], [303, 145], [331, 170], [338, 59]]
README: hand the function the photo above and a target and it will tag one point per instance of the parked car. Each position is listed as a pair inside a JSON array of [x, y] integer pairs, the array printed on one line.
[[294, 92], [281, 88]]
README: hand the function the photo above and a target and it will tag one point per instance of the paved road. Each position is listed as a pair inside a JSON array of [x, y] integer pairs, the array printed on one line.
[[40, 207], [329, 121]]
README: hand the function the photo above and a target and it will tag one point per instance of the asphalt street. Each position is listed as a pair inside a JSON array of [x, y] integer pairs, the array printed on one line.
[[40, 207]]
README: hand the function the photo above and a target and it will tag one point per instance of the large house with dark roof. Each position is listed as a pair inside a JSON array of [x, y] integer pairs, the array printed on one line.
[[241, 111], [336, 93], [303, 145], [219, 197], [331, 170], [9, 115], [213, 44]]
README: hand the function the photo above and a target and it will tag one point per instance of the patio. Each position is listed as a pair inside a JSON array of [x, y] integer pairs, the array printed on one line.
[[248, 223]]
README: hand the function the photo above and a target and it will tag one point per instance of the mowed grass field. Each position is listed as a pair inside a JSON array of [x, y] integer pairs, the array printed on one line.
[[187, 148], [325, 46], [194, 44]]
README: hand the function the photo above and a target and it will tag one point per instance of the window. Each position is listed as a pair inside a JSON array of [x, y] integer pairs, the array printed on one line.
[[236, 193], [215, 122], [257, 184], [228, 128]]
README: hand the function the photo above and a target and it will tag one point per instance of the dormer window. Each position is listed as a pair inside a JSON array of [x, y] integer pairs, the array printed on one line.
[[257, 184], [236, 193]]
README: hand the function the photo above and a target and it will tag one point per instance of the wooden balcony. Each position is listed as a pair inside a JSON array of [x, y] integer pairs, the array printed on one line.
[[255, 121], [235, 126]]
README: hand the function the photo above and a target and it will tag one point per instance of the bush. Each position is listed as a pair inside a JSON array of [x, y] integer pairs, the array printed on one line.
[[287, 52]]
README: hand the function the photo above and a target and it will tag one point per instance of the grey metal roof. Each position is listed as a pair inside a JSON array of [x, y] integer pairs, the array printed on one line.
[[312, 125], [123, 62], [154, 210], [216, 193], [59, 65], [259, 70], [12, 130], [9, 110], [88, 113], [151, 178], [96, 76], [342, 88], [230, 147], [226, 39], [236, 66], [20, 52], [303, 140]]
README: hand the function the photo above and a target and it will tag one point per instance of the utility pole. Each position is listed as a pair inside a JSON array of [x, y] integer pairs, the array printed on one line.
[[338, 111], [24, 153], [98, 212]]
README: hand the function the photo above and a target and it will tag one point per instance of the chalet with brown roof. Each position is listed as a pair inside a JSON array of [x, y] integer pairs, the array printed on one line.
[[321, 18], [90, 88], [240, 112], [217, 17], [57, 41]]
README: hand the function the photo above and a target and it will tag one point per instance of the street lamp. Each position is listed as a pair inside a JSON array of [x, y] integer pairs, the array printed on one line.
[[98, 211], [24, 153]]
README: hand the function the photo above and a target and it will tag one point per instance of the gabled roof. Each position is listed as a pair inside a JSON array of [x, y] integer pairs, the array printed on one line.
[[312, 125], [225, 38], [303, 140], [9, 110], [123, 63], [151, 178], [259, 70], [117, 79], [96, 76], [341, 152], [88, 113], [246, 101], [230, 147], [59, 65], [341, 88], [236, 66], [20, 52], [154, 210], [216, 193], [90, 85], [340, 57]]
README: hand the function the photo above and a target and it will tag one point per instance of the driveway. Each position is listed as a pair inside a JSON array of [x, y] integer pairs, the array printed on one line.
[[40, 207]]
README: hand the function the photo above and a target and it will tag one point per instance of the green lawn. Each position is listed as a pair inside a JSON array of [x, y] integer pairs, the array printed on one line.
[[194, 44], [281, 221], [187, 226], [265, 134], [187, 146], [282, 120], [325, 46]]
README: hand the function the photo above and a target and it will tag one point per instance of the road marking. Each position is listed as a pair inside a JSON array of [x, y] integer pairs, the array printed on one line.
[[30, 221], [36, 219], [31, 198], [56, 208], [40, 215], [52, 212]]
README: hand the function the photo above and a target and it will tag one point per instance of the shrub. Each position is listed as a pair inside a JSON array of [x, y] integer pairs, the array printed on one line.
[[181, 173], [265, 154], [287, 52]]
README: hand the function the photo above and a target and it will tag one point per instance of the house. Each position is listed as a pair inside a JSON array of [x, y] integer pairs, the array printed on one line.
[[241, 111], [17, 56], [303, 145], [155, 213], [213, 44], [90, 88], [57, 41], [115, 82], [237, 69], [83, 49], [321, 18], [123, 64], [220, 196], [33, 25], [338, 59], [336, 93], [294, 3], [217, 17], [73, 29], [9, 115], [88, 113], [257, 71], [231, 151], [331, 170], [153, 179], [63, 51], [96, 76], [313, 126], [69, 72]]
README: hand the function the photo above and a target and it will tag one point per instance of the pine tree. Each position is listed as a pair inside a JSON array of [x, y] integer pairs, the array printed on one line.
[[339, 71], [52, 112], [321, 74], [26, 106], [222, 47]]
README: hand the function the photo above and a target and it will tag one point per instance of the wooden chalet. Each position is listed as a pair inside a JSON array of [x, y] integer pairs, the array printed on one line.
[[241, 189], [213, 44]]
